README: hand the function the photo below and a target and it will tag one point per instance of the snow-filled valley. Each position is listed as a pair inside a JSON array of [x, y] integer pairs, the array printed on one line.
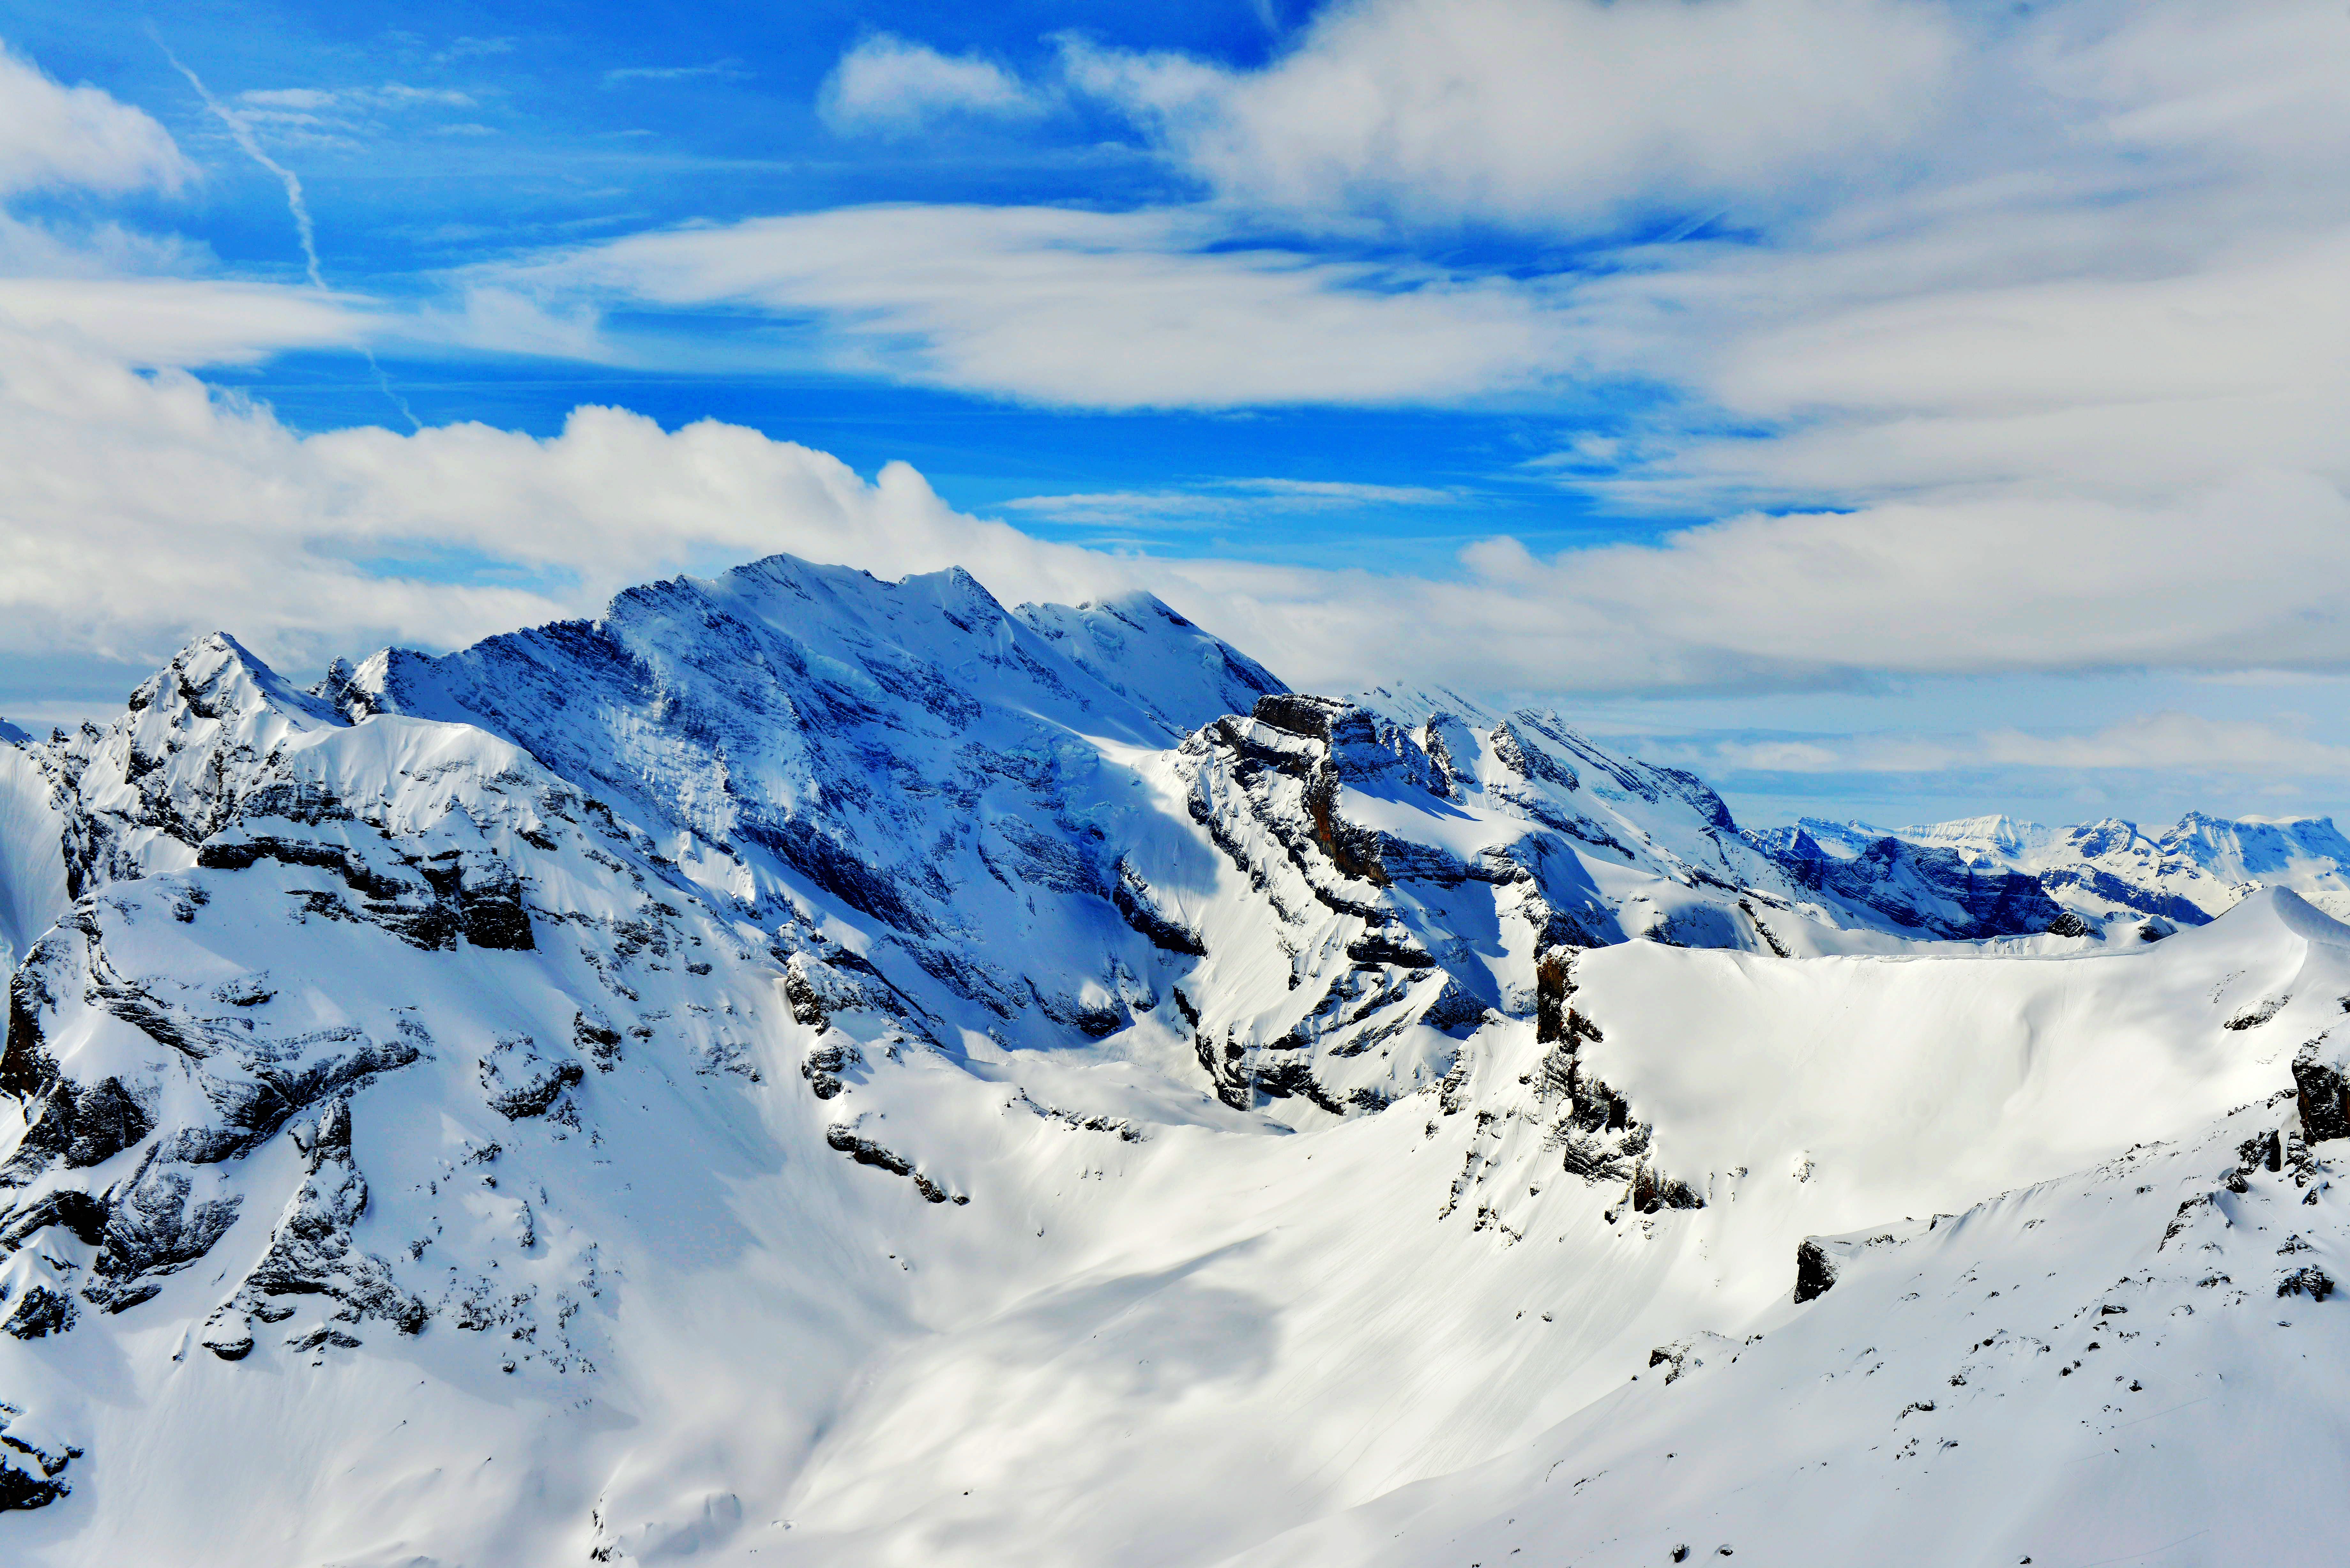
[[810, 1070]]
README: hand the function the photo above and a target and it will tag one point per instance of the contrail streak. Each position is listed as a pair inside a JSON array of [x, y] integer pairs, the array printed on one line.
[[241, 132]]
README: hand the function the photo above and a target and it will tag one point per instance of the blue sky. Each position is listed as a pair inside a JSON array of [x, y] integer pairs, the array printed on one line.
[[1883, 406]]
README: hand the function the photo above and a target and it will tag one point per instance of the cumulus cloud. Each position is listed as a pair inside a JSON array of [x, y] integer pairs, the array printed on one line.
[[54, 136], [135, 502], [144, 509], [1552, 113], [889, 86]]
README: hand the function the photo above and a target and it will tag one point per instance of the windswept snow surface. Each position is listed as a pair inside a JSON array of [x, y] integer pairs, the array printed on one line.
[[816, 1071]]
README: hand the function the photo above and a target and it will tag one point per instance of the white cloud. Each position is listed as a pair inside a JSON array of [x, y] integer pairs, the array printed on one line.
[[63, 248], [401, 95], [142, 510], [2186, 742], [2173, 742], [181, 322], [719, 70], [1549, 112], [2236, 573], [889, 86], [1221, 502], [1107, 310], [110, 289], [55, 136], [2062, 402]]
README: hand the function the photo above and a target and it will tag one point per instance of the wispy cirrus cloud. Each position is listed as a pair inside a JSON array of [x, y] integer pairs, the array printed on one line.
[[713, 70], [1221, 501]]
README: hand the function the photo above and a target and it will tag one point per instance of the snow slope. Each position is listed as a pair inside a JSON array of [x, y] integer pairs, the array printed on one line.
[[32, 856], [810, 1070]]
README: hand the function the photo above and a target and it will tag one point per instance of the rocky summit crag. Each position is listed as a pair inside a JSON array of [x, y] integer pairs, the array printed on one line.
[[809, 1069]]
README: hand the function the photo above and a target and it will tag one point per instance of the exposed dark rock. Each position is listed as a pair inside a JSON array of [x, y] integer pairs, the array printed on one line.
[[40, 1313], [311, 1253], [1281, 1080], [2310, 1280], [601, 1041], [1380, 947], [1530, 762], [1453, 1012], [525, 1084], [1133, 897], [229, 1343], [107, 1119], [2253, 1017], [1652, 1191], [29, 1474], [1297, 713], [151, 1230], [2325, 1101], [79, 1212], [25, 1067], [865, 1151], [831, 1056], [1816, 1271], [803, 847], [2068, 924], [493, 912], [2165, 908], [1881, 876]]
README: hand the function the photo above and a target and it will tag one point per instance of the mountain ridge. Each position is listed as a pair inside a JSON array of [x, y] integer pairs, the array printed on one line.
[[816, 1069]]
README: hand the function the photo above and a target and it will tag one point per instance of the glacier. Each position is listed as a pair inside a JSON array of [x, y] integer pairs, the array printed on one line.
[[807, 1069]]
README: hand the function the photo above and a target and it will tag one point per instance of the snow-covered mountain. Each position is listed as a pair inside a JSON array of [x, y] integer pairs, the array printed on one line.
[[812, 1070], [2112, 870]]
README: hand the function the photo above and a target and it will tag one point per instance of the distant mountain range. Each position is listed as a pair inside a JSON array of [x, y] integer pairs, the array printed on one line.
[[2109, 870]]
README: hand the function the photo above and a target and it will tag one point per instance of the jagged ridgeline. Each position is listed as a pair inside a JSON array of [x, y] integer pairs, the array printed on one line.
[[609, 1085]]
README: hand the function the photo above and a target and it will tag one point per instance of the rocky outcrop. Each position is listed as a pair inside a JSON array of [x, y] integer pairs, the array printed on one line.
[[1816, 1271], [2322, 1093], [866, 1151], [39, 1311], [1138, 906], [522, 1082], [32, 1468], [313, 1258]]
